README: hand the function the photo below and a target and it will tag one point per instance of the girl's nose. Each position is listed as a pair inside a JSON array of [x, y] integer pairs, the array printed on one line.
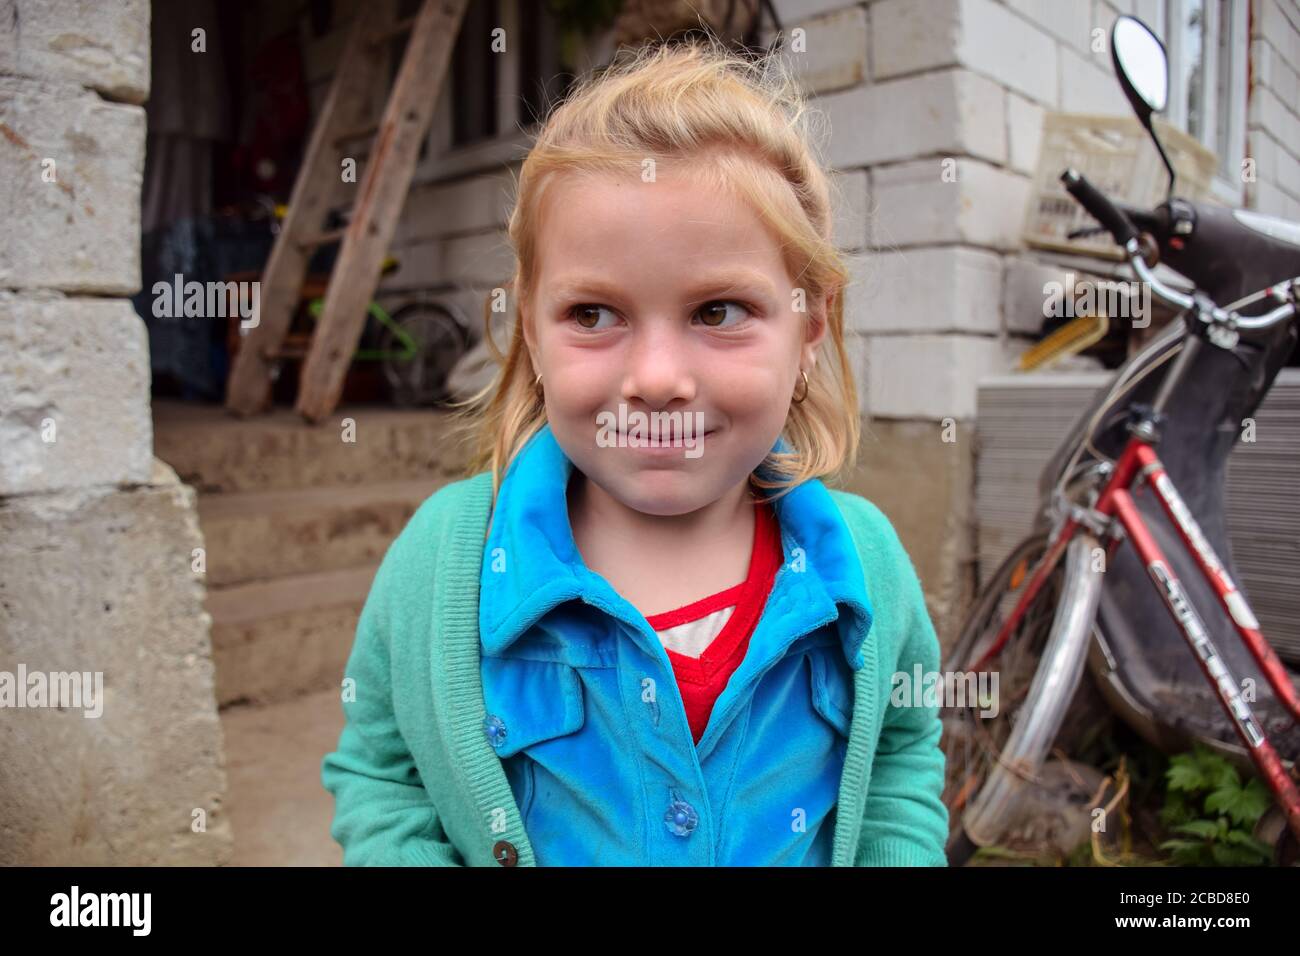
[[659, 369]]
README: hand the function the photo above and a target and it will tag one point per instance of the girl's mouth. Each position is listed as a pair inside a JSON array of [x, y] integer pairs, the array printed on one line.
[[673, 440]]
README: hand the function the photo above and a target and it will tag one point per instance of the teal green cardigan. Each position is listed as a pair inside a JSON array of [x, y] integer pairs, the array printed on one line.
[[416, 782]]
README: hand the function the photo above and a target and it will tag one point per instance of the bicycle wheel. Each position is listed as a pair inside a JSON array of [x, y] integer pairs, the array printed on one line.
[[420, 378], [1039, 670]]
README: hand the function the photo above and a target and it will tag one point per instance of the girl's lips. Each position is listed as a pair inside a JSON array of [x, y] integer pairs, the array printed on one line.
[[672, 441]]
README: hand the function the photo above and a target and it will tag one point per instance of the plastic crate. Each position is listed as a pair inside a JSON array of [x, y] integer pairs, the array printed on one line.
[[1118, 157]]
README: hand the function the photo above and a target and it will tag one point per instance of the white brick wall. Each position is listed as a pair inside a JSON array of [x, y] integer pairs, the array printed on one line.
[[879, 122], [1273, 121], [853, 221], [926, 376], [909, 36], [1024, 133], [839, 39], [916, 205], [930, 289]]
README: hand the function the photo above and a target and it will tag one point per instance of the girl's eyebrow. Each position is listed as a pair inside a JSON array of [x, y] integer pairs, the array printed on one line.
[[708, 287]]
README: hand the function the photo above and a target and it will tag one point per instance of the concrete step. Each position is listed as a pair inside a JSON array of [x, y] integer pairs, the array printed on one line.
[[216, 452], [276, 640], [262, 535], [279, 811]]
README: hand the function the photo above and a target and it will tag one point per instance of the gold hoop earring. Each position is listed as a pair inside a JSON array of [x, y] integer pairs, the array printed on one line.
[[538, 380], [805, 387]]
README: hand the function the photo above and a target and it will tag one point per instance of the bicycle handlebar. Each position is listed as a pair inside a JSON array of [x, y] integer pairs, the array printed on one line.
[[1120, 226], [1098, 206]]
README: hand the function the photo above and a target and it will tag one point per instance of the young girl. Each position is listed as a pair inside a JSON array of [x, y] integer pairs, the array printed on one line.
[[645, 632]]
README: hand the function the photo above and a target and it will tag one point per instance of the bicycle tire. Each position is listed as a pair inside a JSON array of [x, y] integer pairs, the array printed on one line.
[[984, 813], [441, 341]]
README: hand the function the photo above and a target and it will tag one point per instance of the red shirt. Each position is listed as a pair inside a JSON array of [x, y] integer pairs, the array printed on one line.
[[707, 639]]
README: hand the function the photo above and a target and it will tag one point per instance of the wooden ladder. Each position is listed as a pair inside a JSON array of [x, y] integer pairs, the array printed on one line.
[[347, 117]]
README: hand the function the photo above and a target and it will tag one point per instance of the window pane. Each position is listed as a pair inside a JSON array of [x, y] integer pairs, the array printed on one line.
[[1192, 31], [542, 79], [474, 76], [1223, 90]]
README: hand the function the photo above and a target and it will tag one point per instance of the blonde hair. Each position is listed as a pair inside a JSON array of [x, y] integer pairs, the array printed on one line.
[[740, 120]]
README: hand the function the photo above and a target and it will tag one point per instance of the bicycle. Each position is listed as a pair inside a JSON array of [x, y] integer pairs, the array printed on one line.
[[1043, 626]]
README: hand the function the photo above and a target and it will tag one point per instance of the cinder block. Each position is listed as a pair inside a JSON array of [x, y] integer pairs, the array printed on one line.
[[1270, 21], [947, 200], [1287, 83], [792, 11], [927, 289], [104, 46], [1287, 173], [1268, 112], [909, 36], [103, 581], [852, 229], [1263, 149], [835, 50], [1024, 133], [1071, 22], [1023, 298], [1087, 89], [80, 232], [946, 113], [1105, 11], [1148, 11], [74, 393], [928, 376]]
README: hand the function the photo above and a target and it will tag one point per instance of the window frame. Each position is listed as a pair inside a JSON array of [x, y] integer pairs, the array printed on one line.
[[514, 135], [1226, 189]]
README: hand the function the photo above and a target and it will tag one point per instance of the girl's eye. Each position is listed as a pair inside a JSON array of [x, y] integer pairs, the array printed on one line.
[[712, 314], [718, 310], [578, 314]]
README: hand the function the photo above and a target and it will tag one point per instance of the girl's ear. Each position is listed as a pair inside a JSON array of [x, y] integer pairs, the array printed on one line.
[[525, 325], [817, 327]]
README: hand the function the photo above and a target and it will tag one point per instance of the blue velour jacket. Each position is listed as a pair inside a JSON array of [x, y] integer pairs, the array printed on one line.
[[585, 713]]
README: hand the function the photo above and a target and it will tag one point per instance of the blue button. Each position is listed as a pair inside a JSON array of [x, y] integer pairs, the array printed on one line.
[[495, 728], [680, 817]]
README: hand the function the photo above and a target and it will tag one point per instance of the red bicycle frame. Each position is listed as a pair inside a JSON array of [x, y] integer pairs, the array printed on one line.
[[1137, 463]]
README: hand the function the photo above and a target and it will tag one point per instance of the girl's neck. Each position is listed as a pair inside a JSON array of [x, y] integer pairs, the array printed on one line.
[[707, 549]]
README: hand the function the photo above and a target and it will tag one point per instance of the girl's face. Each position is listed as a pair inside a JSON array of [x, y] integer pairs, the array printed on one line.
[[665, 296]]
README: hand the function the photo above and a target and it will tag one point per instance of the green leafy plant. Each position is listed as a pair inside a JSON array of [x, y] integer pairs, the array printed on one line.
[[1206, 802]]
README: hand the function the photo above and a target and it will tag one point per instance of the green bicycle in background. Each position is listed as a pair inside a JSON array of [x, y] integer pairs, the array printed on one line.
[[418, 345]]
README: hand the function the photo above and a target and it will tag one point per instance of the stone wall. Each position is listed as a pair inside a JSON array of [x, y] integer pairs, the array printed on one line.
[[98, 539]]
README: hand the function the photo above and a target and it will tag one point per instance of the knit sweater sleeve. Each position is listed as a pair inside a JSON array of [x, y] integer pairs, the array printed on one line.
[[383, 815], [905, 822]]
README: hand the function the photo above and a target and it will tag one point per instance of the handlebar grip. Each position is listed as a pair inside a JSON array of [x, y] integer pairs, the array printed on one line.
[[1098, 206]]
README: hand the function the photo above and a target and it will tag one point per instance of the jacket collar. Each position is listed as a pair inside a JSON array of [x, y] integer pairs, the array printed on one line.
[[531, 563]]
